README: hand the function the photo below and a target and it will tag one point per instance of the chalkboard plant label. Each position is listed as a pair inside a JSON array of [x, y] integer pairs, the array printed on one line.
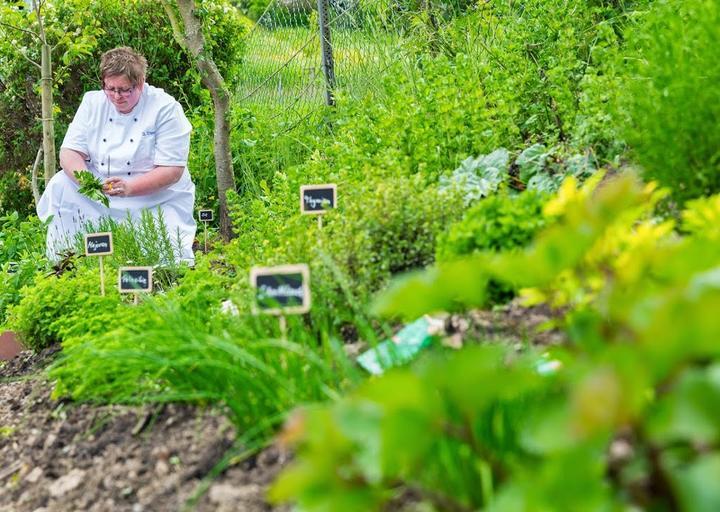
[[317, 199], [135, 279], [98, 244], [206, 215], [281, 290]]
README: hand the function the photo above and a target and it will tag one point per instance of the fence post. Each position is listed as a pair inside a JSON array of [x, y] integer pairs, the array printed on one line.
[[328, 63]]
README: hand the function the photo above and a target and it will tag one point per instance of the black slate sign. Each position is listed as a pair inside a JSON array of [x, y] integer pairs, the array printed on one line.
[[135, 279], [98, 244], [206, 215], [318, 199], [281, 290]]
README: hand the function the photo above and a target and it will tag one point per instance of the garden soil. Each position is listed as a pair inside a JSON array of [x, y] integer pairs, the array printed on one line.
[[58, 456]]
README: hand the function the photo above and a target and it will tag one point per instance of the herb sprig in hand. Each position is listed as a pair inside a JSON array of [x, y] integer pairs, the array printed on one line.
[[91, 187]]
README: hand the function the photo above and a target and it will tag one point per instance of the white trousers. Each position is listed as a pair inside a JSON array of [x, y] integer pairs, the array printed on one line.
[[71, 213]]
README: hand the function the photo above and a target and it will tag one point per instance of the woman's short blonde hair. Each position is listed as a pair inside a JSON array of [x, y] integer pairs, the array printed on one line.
[[123, 61]]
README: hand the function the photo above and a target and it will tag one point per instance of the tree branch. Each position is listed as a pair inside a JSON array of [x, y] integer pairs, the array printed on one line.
[[37, 6], [18, 49], [24, 30]]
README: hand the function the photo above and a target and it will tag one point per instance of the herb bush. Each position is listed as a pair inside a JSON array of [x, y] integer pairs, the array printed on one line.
[[426, 118], [626, 419], [671, 98], [21, 238], [549, 67], [44, 314], [497, 223], [500, 222], [390, 227], [421, 118], [140, 242], [183, 347], [51, 301], [381, 227], [13, 278]]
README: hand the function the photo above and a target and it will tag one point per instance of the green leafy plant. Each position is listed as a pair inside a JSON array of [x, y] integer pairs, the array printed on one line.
[[143, 241], [501, 222], [92, 187], [623, 421], [183, 346], [670, 101], [50, 302], [481, 176]]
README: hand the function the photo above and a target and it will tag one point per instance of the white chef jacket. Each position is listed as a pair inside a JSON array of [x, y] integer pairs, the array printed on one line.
[[155, 132]]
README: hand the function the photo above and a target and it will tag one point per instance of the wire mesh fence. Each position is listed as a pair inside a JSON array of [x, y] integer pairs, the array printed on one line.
[[283, 73]]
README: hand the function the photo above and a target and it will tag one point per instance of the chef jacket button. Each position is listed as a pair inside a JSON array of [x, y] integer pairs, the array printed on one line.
[[128, 163], [132, 140], [129, 174], [104, 140], [135, 119], [103, 164], [111, 119]]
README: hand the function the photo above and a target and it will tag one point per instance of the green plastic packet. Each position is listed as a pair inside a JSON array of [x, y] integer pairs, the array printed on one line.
[[403, 347]]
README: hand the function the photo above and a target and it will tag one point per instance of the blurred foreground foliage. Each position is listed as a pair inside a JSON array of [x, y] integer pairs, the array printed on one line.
[[626, 417]]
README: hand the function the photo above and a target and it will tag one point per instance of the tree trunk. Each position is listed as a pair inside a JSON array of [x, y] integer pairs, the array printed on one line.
[[46, 92], [192, 39]]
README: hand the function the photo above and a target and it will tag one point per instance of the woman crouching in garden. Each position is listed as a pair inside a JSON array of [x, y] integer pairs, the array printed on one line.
[[135, 138]]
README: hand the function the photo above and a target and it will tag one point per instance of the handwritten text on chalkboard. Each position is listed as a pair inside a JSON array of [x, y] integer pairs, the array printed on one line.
[[98, 244], [206, 215], [317, 199], [135, 279], [281, 290]]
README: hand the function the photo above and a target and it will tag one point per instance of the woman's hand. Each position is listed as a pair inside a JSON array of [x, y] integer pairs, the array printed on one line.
[[117, 187]]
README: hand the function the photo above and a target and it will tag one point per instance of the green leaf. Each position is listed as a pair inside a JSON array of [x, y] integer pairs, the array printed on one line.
[[91, 187], [545, 182], [497, 160], [441, 288], [532, 161], [548, 427], [697, 484], [360, 421], [570, 482], [690, 411]]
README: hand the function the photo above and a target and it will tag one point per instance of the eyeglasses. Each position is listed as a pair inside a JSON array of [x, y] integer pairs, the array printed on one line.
[[121, 92]]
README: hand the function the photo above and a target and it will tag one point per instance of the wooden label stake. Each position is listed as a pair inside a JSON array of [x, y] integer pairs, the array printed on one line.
[[283, 327], [205, 217], [99, 244], [102, 277]]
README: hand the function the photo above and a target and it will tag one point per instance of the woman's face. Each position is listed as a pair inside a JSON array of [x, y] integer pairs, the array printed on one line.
[[122, 93]]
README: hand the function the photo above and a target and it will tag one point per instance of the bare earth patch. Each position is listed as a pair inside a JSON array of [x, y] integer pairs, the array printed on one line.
[[58, 456]]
